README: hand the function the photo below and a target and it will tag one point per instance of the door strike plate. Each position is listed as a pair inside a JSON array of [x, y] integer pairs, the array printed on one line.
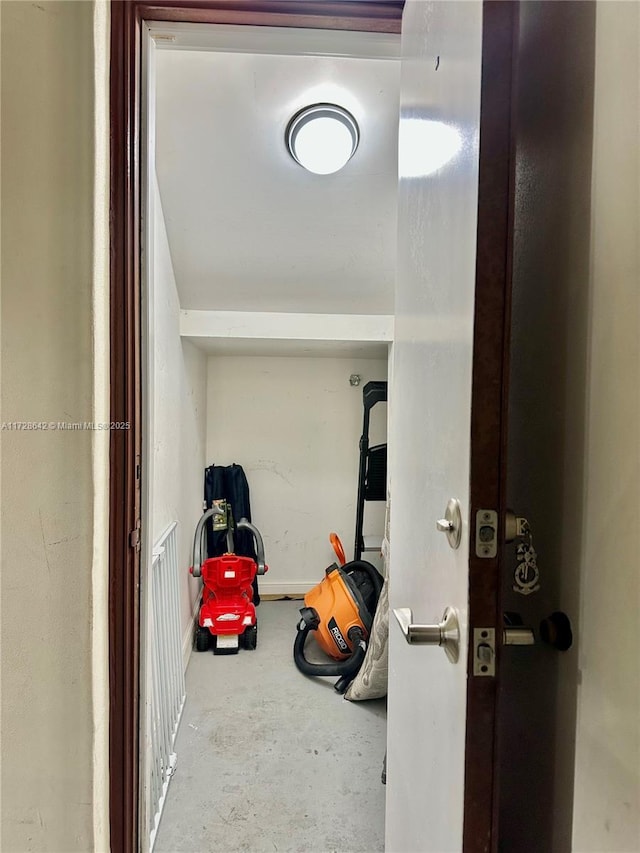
[[486, 533], [484, 652]]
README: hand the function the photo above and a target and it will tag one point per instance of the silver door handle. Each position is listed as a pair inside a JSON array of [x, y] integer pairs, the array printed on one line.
[[445, 634]]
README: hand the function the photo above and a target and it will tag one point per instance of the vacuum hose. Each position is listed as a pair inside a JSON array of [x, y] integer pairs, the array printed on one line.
[[346, 669]]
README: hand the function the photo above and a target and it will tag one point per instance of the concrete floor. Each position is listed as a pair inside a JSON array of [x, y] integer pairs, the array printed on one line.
[[269, 760]]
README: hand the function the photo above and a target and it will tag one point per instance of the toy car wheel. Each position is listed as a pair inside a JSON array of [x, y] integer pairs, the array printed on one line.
[[203, 639], [251, 637]]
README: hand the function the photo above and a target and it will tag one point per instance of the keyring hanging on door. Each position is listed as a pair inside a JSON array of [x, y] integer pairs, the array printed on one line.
[[526, 576]]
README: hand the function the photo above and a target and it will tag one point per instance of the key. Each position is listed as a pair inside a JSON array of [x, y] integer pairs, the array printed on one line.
[[526, 575]]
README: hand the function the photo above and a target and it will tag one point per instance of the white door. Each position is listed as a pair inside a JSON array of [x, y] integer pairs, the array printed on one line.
[[430, 416]]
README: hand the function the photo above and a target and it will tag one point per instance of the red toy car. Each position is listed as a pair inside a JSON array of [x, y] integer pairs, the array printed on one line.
[[227, 617]]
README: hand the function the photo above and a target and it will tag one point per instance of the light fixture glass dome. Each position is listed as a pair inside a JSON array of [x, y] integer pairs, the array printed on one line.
[[322, 138]]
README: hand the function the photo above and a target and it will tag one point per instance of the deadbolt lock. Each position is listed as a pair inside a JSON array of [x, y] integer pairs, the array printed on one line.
[[451, 524], [486, 533], [515, 526]]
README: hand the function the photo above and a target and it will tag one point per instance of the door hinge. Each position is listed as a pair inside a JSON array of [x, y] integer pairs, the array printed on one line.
[[134, 536], [484, 652]]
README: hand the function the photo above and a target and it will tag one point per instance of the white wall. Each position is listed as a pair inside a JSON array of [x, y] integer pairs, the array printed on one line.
[[294, 425], [178, 425], [47, 375], [607, 780], [101, 442]]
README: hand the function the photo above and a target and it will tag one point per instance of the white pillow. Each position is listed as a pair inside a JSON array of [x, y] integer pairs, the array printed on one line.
[[371, 680]]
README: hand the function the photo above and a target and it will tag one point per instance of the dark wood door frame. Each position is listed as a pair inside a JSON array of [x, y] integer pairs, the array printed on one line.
[[491, 343], [126, 473], [489, 407]]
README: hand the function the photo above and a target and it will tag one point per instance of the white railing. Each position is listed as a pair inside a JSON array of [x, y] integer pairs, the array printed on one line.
[[167, 692]]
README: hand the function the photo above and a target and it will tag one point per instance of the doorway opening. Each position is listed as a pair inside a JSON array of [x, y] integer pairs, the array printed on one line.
[[464, 291], [267, 309]]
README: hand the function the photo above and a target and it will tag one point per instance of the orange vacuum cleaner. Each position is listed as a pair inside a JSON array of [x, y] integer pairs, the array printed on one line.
[[339, 611]]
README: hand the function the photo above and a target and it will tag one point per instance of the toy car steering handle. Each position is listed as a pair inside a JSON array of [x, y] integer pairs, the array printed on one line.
[[196, 556], [244, 524]]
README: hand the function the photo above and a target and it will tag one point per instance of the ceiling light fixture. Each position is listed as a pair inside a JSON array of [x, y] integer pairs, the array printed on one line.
[[322, 138]]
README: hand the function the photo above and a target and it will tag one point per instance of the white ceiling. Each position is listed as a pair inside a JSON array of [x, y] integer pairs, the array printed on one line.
[[248, 228]]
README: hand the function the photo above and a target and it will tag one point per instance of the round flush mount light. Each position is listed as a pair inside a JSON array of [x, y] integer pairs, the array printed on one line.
[[322, 138]]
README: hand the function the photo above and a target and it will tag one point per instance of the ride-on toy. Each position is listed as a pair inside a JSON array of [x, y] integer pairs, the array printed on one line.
[[227, 617]]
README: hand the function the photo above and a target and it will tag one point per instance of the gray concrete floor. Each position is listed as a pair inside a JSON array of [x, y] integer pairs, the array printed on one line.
[[269, 760]]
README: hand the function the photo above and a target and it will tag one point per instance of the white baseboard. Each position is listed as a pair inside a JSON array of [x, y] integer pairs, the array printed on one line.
[[286, 587], [187, 637]]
